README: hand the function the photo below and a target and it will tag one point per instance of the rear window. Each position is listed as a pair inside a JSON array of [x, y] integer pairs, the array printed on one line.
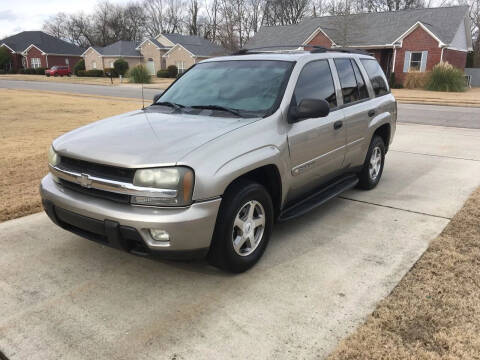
[[377, 77]]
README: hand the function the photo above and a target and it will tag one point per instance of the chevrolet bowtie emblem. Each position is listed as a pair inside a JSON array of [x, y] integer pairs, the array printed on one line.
[[84, 180]]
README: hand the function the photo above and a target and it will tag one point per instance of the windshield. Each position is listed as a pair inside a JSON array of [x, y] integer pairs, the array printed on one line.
[[250, 87], [54, 67]]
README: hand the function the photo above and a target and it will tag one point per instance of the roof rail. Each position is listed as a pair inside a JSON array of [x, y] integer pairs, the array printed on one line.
[[313, 49]]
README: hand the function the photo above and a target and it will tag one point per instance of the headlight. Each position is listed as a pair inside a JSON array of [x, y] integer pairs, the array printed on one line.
[[53, 158], [180, 179]]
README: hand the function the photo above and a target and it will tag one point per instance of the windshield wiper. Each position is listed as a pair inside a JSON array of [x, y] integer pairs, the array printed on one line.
[[218, 107], [171, 104]]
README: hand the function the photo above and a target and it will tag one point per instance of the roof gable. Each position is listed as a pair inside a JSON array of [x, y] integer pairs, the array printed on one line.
[[366, 29], [196, 45]]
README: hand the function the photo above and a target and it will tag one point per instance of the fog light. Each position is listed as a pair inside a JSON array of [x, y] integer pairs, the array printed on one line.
[[159, 235]]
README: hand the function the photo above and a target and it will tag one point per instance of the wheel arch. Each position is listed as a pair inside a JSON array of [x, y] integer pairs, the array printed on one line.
[[268, 176]]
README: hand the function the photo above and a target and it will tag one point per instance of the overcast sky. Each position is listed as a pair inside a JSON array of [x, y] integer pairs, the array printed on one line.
[[20, 15]]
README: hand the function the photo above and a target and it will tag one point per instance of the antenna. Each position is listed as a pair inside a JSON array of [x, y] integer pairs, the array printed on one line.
[[143, 99]]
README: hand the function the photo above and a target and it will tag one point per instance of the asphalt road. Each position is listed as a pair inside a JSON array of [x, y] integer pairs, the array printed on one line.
[[64, 297], [126, 91], [420, 114]]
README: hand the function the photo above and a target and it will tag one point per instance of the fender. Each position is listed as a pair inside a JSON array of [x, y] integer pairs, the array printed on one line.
[[241, 164]]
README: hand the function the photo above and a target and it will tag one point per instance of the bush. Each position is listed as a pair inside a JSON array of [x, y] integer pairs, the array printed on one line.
[[11, 71], [81, 73], [139, 75], [2, 72], [163, 74], [416, 80], [94, 73], [110, 72], [172, 71], [21, 71], [445, 77], [30, 71], [79, 66], [120, 66], [40, 71]]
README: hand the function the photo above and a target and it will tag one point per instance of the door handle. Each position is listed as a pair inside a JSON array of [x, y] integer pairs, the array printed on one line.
[[371, 113], [337, 124]]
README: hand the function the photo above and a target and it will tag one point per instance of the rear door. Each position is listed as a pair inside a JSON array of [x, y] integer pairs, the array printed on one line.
[[356, 109], [317, 145]]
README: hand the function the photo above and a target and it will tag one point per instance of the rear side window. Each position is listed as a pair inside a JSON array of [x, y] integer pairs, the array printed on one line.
[[362, 88], [316, 82], [376, 75], [353, 86]]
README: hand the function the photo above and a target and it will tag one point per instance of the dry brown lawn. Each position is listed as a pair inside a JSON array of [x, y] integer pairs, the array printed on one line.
[[471, 97], [29, 121], [162, 83], [434, 312]]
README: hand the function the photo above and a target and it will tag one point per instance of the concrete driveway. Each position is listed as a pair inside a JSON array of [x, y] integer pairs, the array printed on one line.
[[63, 297]]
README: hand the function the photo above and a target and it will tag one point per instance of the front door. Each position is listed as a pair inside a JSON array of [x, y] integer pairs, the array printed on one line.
[[151, 67], [317, 145]]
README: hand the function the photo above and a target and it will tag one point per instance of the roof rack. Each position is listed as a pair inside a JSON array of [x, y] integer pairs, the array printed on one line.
[[314, 49]]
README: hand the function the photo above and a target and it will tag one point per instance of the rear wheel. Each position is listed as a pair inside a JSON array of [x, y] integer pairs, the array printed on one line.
[[243, 227], [373, 167]]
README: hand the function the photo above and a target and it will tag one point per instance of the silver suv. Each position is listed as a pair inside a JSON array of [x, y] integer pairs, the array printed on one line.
[[234, 145]]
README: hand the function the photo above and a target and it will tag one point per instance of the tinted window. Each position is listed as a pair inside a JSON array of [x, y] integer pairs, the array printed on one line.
[[362, 88], [347, 80], [315, 82], [377, 77]]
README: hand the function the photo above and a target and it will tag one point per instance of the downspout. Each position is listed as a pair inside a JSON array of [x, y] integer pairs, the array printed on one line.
[[46, 58], [441, 54], [394, 58]]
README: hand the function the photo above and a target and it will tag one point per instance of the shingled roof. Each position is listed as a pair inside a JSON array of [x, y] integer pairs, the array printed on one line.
[[366, 29], [119, 48], [197, 45], [47, 43]]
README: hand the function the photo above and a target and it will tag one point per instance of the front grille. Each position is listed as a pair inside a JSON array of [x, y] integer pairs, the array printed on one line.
[[98, 170], [120, 198]]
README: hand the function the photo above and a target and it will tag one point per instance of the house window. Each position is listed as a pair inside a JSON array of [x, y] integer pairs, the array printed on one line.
[[415, 61], [67, 61], [111, 64], [35, 63], [180, 66], [94, 64]]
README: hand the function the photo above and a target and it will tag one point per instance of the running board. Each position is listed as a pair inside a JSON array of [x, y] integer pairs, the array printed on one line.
[[318, 198]]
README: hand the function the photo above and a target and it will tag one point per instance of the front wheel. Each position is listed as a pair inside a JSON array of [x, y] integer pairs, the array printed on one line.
[[373, 167], [243, 228]]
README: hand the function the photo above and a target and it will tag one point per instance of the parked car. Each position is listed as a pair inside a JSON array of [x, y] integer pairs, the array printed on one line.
[[58, 71], [234, 145]]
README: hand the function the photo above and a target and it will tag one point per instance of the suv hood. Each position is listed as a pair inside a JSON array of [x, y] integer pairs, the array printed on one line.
[[144, 138]]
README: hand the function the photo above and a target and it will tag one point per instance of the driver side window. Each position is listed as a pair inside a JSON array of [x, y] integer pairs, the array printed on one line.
[[315, 82]]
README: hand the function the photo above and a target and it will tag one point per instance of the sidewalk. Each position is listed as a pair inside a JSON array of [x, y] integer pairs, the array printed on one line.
[[469, 98]]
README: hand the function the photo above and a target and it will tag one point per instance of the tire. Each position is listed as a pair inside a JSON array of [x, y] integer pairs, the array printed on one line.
[[373, 166], [234, 220]]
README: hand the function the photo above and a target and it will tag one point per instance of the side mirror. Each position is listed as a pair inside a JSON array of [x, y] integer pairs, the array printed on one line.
[[156, 97], [309, 108]]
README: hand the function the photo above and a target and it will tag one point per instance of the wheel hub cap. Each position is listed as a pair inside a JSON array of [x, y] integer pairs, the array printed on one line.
[[375, 163], [248, 228]]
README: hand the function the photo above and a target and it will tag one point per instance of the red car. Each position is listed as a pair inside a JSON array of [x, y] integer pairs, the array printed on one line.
[[58, 71]]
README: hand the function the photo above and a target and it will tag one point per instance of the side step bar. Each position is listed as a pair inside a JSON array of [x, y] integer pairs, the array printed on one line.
[[318, 198]]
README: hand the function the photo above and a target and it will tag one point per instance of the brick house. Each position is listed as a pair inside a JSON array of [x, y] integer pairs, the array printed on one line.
[[155, 53], [36, 49], [402, 41]]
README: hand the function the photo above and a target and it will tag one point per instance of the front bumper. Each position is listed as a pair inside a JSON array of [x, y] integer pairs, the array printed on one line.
[[127, 227]]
